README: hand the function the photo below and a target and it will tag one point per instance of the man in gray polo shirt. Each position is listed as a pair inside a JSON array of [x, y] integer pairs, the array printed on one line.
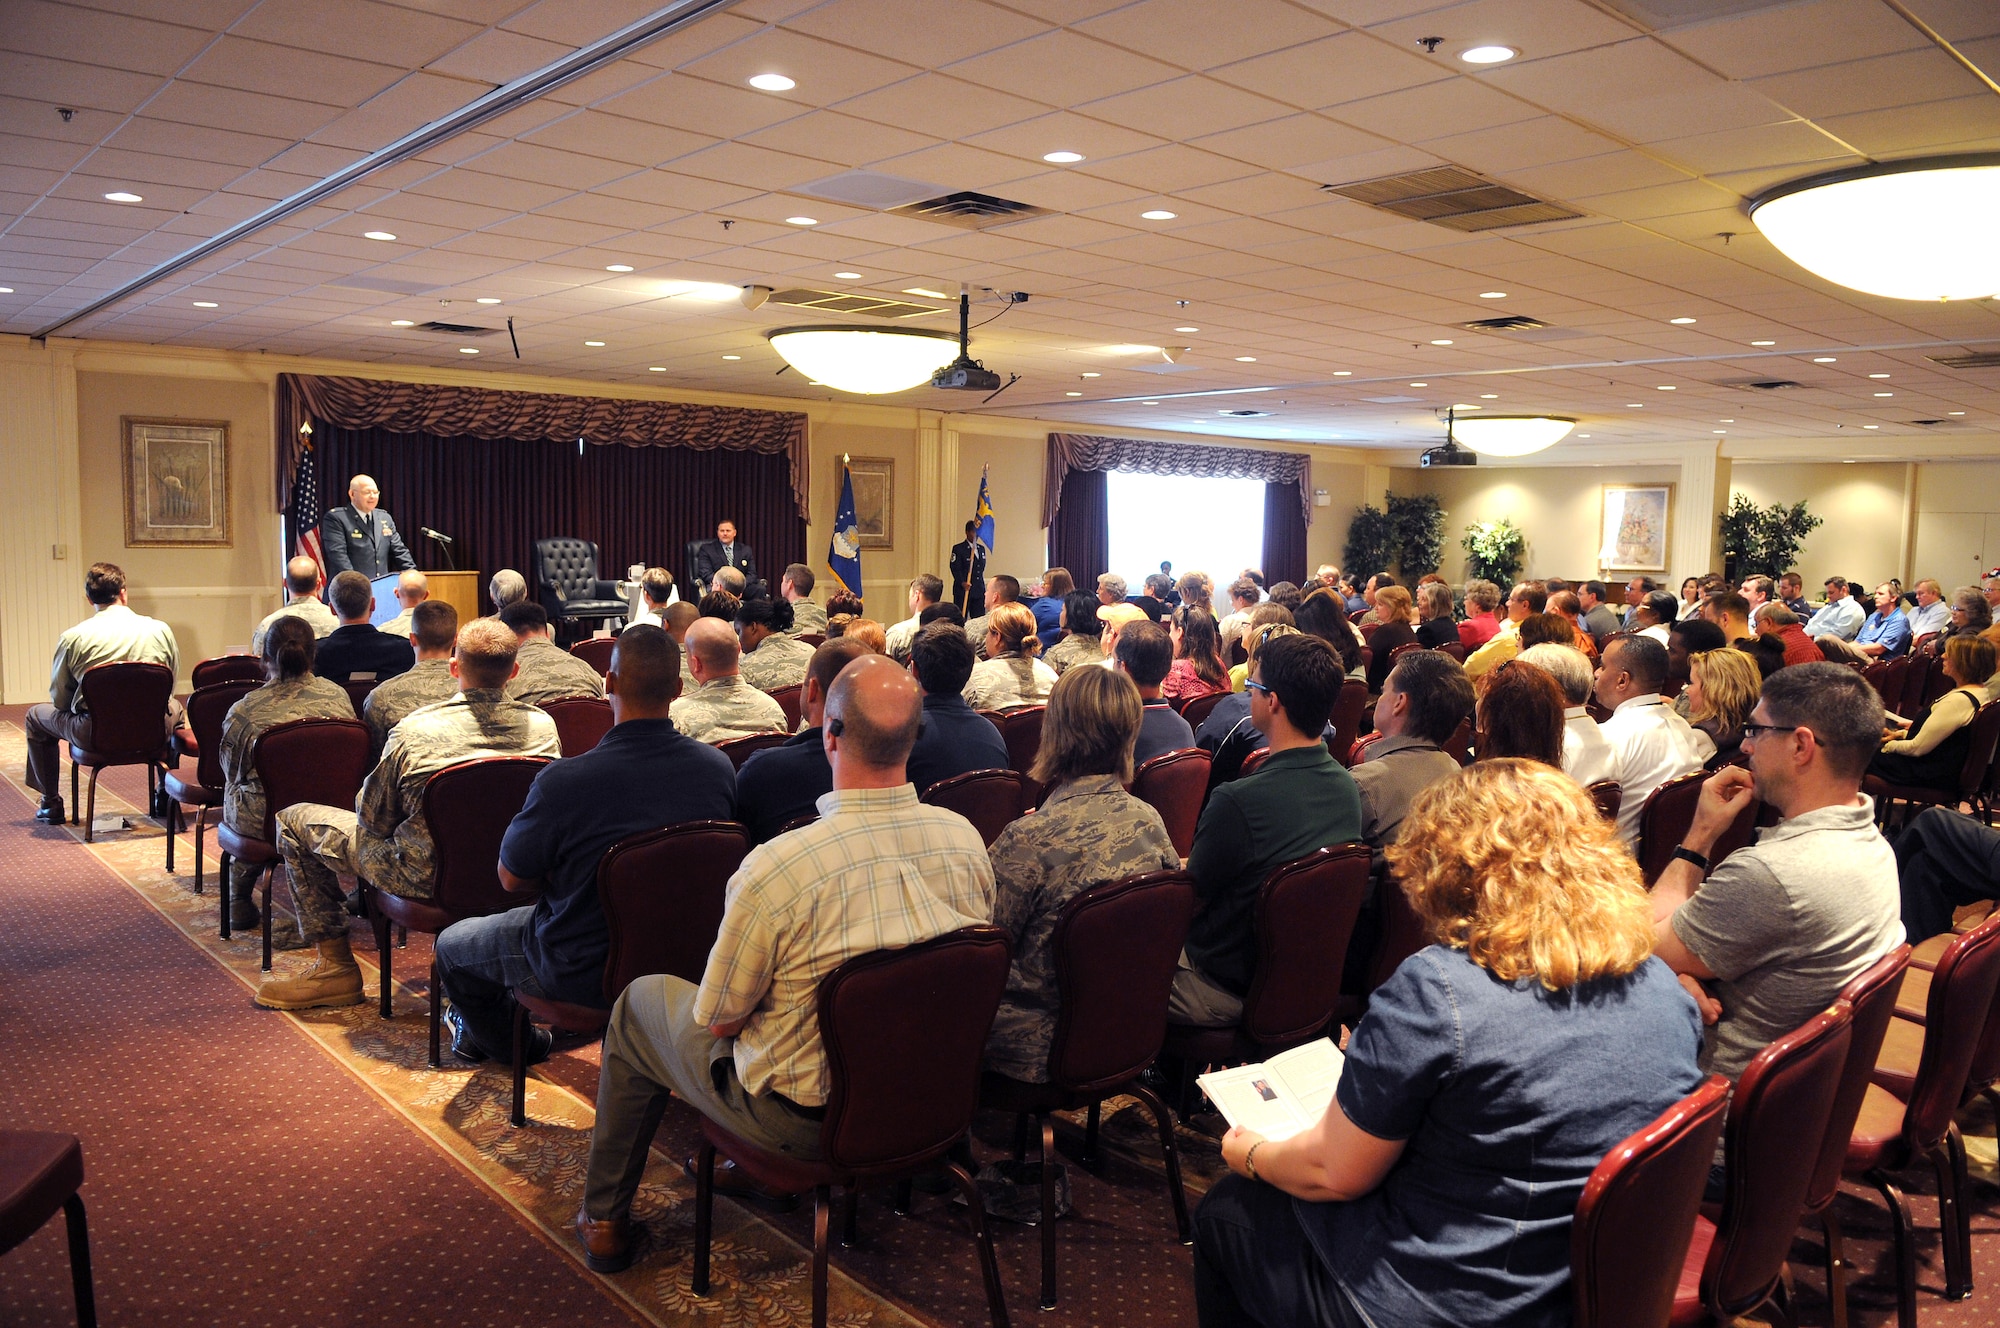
[[1778, 928]]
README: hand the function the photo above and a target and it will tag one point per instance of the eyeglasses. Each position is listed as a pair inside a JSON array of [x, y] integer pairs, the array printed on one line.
[[1750, 731], [1250, 685]]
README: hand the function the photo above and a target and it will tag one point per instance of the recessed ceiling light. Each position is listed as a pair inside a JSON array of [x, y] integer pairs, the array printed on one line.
[[1680, 322], [1419, 384], [1666, 387], [1466, 405], [1343, 373], [402, 322], [1187, 329], [1763, 343], [468, 350], [926, 291], [1725, 421], [802, 221], [1489, 396], [1871, 426], [732, 357], [593, 343], [126, 196], [1440, 343], [487, 299], [206, 304], [1718, 431], [6, 290], [1062, 158], [772, 83], [1583, 435], [1155, 403], [1487, 55], [1072, 394], [1246, 359], [1885, 394], [847, 276], [656, 368], [1090, 375], [617, 267], [1824, 359], [1158, 214], [1635, 405], [378, 235], [1493, 295], [1878, 375]]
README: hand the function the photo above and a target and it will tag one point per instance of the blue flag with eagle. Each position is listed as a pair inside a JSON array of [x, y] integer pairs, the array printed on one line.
[[843, 558], [983, 514]]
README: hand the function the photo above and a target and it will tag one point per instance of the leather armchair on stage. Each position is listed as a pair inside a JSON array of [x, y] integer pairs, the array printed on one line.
[[572, 592]]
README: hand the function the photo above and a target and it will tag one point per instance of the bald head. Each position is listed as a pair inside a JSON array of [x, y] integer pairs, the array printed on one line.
[[362, 494], [412, 588], [712, 648], [872, 714], [679, 616], [302, 577]]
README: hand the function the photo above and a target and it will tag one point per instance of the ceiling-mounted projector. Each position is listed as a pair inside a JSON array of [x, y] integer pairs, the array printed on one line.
[[1450, 454], [966, 374]]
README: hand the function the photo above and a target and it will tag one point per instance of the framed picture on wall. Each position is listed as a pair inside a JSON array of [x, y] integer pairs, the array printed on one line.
[[874, 500], [1635, 527], [176, 483]]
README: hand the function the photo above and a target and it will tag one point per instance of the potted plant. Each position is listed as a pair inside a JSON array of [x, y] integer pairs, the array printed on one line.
[[1494, 551]]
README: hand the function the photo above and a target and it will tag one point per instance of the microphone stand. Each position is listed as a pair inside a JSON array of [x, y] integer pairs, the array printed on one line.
[[450, 563]]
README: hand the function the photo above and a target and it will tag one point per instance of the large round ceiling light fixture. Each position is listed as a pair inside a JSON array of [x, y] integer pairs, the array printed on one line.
[[1909, 230], [1511, 435], [865, 360]]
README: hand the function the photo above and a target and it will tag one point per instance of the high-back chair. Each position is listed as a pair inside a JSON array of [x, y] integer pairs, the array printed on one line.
[[903, 1032], [1608, 796], [1195, 711], [790, 700], [40, 1174], [128, 726], [1664, 822], [739, 750], [1349, 709], [581, 722], [206, 709], [1021, 730], [1174, 784], [596, 652], [991, 799], [226, 668], [570, 588]]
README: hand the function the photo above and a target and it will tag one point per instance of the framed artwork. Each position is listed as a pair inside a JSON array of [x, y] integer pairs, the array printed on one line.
[[874, 500], [1635, 527], [176, 483]]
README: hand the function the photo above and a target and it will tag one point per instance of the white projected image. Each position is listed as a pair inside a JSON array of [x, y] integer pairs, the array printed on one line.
[[1200, 524]]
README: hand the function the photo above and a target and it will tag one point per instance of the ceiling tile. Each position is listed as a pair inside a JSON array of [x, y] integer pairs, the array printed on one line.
[[498, 56], [413, 102], [39, 27], [826, 73], [1185, 108], [1794, 144], [1964, 124], [1062, 69], [1292, 142], [842, 139], [362, 29], [1639, 90], [702, 107], [1181, 32], [252, 66], [618, 139], [1784, 38], [1434, 111], [925, 33], [49, 83], [1880, 83]]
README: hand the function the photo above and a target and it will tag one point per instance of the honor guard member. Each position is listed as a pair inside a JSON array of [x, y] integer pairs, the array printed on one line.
[[968, 564], [360, 537]]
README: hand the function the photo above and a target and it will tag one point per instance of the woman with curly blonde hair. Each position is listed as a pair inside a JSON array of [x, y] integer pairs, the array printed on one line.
[[1491, 1074], [1722, 691]]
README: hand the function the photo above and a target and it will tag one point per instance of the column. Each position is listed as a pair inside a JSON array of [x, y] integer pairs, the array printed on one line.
[[41, 533], [937, 492], [1699, 499]]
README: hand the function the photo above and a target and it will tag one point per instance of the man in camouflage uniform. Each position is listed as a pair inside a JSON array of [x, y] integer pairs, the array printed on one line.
[[385, 840], [293, 692], [412, 588], [302, 583], [796, 585], [547, 672], [722, 706], [1002, 589], [434, 626]]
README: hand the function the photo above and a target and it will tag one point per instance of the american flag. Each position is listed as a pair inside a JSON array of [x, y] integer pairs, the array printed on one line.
[[305, 511]]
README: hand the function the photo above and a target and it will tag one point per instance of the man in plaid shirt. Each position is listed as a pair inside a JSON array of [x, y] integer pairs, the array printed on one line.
[[877, 871]]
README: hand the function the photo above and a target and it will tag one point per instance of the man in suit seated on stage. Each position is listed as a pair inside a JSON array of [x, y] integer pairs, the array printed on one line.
[[955, 738], [796, 586], [356, 646], [433, 629], [412, 589], [302, 584], [722, 706], [723, 551], [361, 538], [547, 671], [780, 784]]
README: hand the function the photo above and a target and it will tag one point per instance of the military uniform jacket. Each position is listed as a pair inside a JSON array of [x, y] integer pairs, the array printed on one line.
[[392, 840], [808, 618], [1074, 649], [778, 661], [968, 563], [314, 611], [113, 635], [428, 682], [550, 673], [725, 708], [257, 713], [370, 545], [402, 624]]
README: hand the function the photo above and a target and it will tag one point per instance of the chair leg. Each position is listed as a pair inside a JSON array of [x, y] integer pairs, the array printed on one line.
[[380, 924], [173, 832], [850, 1217], [989, 1267], [1170, 1155], [266, 887], [1836, 1267], [222, 895], [822, 1210], [1048, 1232], [1021, 1120], [519, 1115], [704, 1213], [79, 1262], [1906, 1249], [75, 803], [90, 816], [1954, 1218], [402, 937], [433, 993], [1090, 1123], [200, 824]]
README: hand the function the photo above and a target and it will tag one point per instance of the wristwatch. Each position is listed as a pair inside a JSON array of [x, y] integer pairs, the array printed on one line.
[[1686, 854], [1250, 1158]]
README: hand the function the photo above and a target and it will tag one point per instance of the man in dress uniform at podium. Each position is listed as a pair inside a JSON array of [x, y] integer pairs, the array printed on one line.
[[358, 538], [968, 563]]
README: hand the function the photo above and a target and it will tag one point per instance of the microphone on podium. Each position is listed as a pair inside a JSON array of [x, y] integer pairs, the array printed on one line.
[[440, 538], [443, 539]]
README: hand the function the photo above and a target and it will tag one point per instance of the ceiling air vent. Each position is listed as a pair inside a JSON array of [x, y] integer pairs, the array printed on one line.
[[970, 210], [1245, 414], [457, 329], [1455, 198], [1510, 323], [1978, 359], [849, 302], [1938, 424], [1761, 384]]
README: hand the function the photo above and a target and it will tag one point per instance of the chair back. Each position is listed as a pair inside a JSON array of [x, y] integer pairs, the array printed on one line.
[[1174, 784], [1116, 947], [1195, 711], [1871, 1000], [1664, 822], [1405, 649], [1777, 1122], [468, 807], [1456, 649], [790, 699], [1924, 646], [662, 895], [1635, 1218], [813, 639], [1956, 1019], [1021, 730], [1349, 708], [227, 668], [904, 1031], [1887, 677], [206, 709], [357, 691], [1979, 756], [990, 799], [1608, 796], [581, 722], [596, 652], [1253, 762], [128, 708], [739, 750], [311, 760], [1403, 934], [566, 567], [1306, 911], [1459, 745]]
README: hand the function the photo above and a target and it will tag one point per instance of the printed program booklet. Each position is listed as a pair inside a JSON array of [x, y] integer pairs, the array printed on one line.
[[1282, 1097]]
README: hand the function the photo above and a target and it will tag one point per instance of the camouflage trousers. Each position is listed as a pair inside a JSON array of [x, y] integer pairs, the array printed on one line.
[[320, 844]]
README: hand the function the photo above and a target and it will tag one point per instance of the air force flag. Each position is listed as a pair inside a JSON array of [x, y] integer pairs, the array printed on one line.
[[843, 559]]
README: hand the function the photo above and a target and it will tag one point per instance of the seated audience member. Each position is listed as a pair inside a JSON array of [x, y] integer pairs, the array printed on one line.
[[795, 587], [679, 616], [1930, 613], [729, 581], [302, 587], [1489, 1077], [1931, 754], [1244, 596], [1165, 589], [780, 784], [1153, 601], [656, 593], [771, 657], [1322, 614], [1010, 675], [505, 587], [867, 631], [1564, 604], [1759, 591], [1144, 655], [1111, 617], [384, 838], [433, 630], [1088, 832], [877, 871], [545, 671], [1197, 591], [1721, 692], [1776, 929], [1001, 589], [925, 591], [355, 646], [1587, 756], [1264, 615], [1729, 611], [1287, 594], [113, 634], [1655, 616], [1435, 624], [1842, 615], [840, 601], [1885, 633], [1650, 742], [1685, 639], [1228, 725], [1056, 588], [1970, 615], [945, 613], [723, 705], [956, 739], [1392, 613], [1083, 635], [412, 588], [1636, 591], [1300, 799], [641, 776], [1373, 587], [1527, 597], [1198, 669], [1482, 601], [1689, 604], [1424, 699], [1945, 860], [1778, 623], [1599, 618], [719, 604], [1110, 589], [290, 692], [1792, 594], [1521, 715]]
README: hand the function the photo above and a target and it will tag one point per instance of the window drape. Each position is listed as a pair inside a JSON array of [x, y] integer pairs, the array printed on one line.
[[1080, 535], [1071, 452], [1284, 535]]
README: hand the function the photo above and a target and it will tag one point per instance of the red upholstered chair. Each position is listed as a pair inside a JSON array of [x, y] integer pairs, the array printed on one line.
[[1973, 776], [1777, 1122], [798, 823], [1664, 822], [1116, 947], [1196, 711], [1405, 649], [128, 726], [1888, 677], [813, 639], [1174, 784], [1636, 1216], [358, 689], [790, 699], [1459, 745], [39, 1174], [661, 893], [1608, 796], [1924, 646], [581, 722], [903, 1032], [596, 652], [206, 709], [739, 750], [307, 760], [1358, 753], [1253, 762], [1456, 650], [991, 799], [1349, 709], [227, 668], [1021, 730], [468, 807]]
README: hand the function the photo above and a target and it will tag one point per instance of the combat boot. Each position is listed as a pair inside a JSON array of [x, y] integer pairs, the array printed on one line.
[[243, 914], [333, 979]]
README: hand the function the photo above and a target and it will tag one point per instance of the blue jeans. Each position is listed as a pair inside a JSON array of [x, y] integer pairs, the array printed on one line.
[[1254, 1266], [479, 960]]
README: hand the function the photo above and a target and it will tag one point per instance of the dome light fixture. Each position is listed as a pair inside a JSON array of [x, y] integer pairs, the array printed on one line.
[[868, 361], [1062, 158], [1487, 55], [1511, 435], [772, 83], [1919, 229]]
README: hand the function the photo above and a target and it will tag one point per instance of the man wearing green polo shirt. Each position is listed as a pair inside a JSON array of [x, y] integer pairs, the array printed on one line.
[[1299, 800]]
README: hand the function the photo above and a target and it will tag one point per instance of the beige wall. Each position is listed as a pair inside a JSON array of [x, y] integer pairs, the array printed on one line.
[[1861, 505], [1559, 508], [884, 572]]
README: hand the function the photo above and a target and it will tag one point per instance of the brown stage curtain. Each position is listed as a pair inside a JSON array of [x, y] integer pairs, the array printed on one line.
[[1071, 452], [1284, 535], [475, 413], [1080, 535]]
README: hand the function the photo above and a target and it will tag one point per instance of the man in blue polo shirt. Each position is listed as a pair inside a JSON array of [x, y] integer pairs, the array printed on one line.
[[1886, 634], [955, 739], [643, 775], [781, 784]]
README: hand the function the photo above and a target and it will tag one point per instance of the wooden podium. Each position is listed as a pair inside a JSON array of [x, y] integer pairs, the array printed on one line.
[[458, 589]]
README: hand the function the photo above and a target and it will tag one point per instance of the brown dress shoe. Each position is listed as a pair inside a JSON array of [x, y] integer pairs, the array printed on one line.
[[608, 1247]]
